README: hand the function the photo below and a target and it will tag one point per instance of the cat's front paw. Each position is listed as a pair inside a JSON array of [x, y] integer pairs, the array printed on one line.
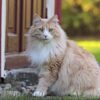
[[39, 93]]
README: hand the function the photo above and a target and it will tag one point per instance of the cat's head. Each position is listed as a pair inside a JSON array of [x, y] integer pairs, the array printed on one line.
[[44, 29]]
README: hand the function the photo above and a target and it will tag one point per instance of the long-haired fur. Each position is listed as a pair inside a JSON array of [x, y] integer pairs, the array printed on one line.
[[64, 67]]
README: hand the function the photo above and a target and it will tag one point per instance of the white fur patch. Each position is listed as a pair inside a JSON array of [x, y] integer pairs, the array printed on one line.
[[39, 55], [39, 93]]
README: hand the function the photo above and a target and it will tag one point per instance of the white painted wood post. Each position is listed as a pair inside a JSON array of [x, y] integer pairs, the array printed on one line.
[[50, 8], [3, 35]]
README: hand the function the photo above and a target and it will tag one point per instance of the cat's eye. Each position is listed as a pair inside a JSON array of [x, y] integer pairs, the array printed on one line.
[[41, 29], [51, 29], [35, 35]]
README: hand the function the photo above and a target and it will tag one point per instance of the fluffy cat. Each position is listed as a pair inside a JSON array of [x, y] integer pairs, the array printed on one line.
[[64, 67]]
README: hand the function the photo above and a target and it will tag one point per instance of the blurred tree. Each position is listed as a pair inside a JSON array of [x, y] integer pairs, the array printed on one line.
[[81, 16]]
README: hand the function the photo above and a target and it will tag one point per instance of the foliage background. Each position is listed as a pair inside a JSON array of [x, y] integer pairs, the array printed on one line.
[[81, 17]]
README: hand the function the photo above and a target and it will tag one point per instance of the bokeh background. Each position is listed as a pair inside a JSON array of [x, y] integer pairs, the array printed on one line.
[[81, 21]]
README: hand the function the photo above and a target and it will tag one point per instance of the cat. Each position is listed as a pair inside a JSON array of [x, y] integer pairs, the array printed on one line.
[[63, 67]]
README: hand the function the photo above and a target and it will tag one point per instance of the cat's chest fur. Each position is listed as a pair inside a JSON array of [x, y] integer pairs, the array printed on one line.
[[40, 54]]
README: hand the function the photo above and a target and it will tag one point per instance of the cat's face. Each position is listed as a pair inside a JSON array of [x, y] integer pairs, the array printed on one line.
[[43, 29]]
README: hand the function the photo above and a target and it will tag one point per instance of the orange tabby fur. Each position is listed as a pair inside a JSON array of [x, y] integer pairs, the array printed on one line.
[[64, 67]]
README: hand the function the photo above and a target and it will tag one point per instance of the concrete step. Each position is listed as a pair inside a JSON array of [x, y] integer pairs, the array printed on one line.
[[27, 75]]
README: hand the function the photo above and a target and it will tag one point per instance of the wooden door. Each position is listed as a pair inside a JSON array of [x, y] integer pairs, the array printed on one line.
[[19, 18], [12, 28]]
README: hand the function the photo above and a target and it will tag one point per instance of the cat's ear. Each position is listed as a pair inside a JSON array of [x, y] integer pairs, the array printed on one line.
[[54, 19], [37, 20]]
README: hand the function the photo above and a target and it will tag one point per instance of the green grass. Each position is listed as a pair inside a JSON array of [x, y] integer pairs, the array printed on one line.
[[47, 98], [92, 46]]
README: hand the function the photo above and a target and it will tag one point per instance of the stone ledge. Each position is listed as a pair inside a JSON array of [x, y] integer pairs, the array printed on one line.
[[19, 82], [24, 74]]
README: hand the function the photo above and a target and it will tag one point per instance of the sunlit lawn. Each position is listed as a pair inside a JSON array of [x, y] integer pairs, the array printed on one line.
[[91, 45]]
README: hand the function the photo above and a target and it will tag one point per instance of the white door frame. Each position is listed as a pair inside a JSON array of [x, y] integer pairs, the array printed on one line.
[[3, 36]]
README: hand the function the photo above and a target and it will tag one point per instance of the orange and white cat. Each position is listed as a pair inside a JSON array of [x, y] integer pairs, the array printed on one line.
[[64, 67]]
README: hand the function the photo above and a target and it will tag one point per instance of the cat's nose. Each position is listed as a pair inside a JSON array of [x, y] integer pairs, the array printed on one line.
[[45, 36]]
